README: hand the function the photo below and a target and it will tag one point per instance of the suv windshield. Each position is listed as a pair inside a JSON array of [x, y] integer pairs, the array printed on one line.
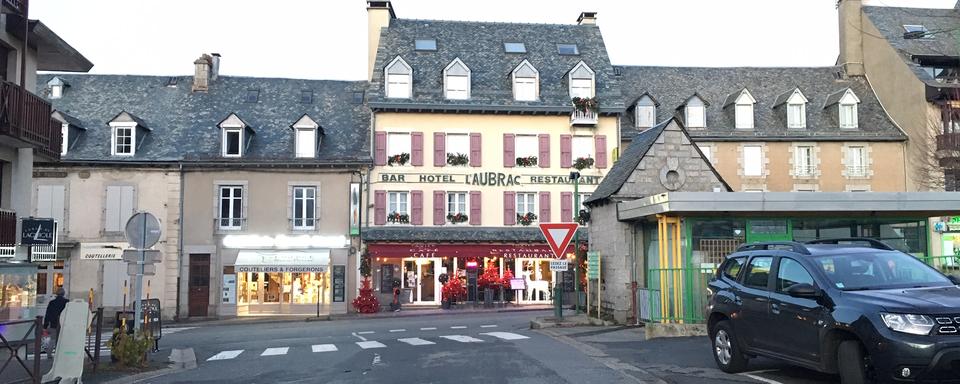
[[880, 270]]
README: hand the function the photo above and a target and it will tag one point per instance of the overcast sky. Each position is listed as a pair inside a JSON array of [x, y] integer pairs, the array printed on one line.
[[326, 39]]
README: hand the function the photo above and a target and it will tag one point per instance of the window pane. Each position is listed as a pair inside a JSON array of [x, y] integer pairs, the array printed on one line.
[[458, 143], [457, 87], [791, 273], [526, 146], [695, 117], [733, 267], [514, 48], [581, 88], [233, 142], [398, 86], [425, 45], [306, 140], [583, 146], [567, 49], [752, 161], [758, 272]]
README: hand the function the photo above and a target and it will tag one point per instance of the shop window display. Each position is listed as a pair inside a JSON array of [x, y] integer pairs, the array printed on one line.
[[255, 289], [18, 293]]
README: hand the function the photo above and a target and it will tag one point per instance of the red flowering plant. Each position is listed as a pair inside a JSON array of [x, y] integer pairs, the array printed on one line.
[[453, 290], [490, 277], [585, 104], [457, 218]]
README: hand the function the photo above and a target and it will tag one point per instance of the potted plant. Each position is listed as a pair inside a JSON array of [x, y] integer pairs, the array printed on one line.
[[398, 218], [457, 218], [506, 292], [398, 159], [586, 104], [583, 162], [527, 161], [526, 218], [451, 292], [457, 159]]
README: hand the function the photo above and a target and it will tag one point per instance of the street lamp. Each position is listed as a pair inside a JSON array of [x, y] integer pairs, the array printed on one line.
[[575, 176]]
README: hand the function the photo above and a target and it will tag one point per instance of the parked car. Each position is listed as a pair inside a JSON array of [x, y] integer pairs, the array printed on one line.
[[853, 307]]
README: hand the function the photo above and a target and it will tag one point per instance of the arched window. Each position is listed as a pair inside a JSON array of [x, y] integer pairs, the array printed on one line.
[[526, 82], [399, 79]]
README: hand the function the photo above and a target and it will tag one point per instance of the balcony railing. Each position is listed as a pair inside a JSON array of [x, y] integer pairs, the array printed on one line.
[[16, 5], [948, 142], [26, 117], [8, 233], [856, 170], [804, 170], [583, 117]]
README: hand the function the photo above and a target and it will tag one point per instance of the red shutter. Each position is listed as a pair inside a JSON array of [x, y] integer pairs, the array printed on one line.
[[380, 148], [439, 149], [566, 151], [566, 206], [475, 204], [416, 145], [601, 147], [509, 157], [544, 207], [509, 208], [416, 207], [544, 158], [439, 207], [475, 150], [379, 207]]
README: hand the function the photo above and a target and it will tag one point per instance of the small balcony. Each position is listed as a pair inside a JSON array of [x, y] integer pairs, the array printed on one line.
[[25, 117], [804, 171], [856, 171], [948, 142], [583, 118], [8, 233]]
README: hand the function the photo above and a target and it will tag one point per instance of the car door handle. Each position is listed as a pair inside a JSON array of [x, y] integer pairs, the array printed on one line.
[[775, 308], [738, 301]]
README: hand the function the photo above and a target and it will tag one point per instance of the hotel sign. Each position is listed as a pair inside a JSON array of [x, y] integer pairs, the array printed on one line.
[[493, 179]]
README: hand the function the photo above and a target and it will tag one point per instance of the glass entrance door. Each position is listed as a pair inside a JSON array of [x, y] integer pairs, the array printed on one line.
[[420, 278]]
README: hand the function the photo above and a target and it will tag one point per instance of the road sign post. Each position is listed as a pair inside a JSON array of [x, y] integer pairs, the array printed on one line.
[[142, 231], [558, 236]]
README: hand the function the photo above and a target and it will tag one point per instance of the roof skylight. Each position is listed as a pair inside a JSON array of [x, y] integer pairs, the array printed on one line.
[[425, 45], [567, 49], [514, 47]]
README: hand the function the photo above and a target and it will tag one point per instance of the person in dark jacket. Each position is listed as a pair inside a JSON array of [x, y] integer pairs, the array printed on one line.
[[51, 319]]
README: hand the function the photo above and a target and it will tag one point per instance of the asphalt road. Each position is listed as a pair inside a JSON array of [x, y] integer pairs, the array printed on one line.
[[474, 348]]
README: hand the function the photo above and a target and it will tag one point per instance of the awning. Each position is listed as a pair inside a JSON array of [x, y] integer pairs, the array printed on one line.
[[512, 251], [282, 261]]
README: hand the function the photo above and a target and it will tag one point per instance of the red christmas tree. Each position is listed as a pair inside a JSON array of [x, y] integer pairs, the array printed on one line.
[[507, 276], [490, 277], [366, 302]]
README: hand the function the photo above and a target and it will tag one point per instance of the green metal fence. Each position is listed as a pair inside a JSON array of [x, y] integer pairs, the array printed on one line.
[[676, 295]]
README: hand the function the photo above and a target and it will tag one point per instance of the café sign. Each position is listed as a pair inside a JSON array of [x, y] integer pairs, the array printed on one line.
[[492, 179]]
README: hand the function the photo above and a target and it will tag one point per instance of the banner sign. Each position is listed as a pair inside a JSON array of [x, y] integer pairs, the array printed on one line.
[[354, 209], [509, 251], [493, 179], [101, 251]]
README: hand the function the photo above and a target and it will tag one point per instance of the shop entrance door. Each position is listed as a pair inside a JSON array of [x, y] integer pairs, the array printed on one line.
[[768, 230], [540, 280], [199, 285], [420, 275]]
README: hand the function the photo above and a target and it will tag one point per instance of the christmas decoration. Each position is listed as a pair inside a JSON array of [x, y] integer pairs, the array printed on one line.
[[507, 276], [490, 277], [583, 162], [398, 159], [366, 302], [457, 159], [457, 217], [399, 218], [528, 161], [584, 104], [365, 264], [527, 218], [453, 291]]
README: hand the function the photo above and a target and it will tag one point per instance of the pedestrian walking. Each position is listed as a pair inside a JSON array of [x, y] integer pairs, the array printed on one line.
[[51, 320]]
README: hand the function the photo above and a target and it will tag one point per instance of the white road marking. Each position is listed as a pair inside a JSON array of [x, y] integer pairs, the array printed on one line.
[[760, 379], [370, 344], [225, 355], [275, 351], [506, 335], [397, 330], [428, 329], [324, 348], [172, 330], [415, 341], [488, 326], [462, 338], [359, 337], [365, 332], [376, 359], [458, 327]]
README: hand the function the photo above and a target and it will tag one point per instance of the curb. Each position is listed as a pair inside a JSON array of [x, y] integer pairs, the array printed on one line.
[[349, 316], [146, 375]]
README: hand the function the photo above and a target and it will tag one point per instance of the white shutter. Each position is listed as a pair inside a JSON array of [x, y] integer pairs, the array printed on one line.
[[44, 201], [111, 213], [57, 205], [126, 205]]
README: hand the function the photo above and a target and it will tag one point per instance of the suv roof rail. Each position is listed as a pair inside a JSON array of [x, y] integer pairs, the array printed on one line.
[[767, 245], [872, 243]]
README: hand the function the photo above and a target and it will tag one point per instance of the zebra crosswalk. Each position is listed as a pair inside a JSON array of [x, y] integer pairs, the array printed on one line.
[[372, 344]]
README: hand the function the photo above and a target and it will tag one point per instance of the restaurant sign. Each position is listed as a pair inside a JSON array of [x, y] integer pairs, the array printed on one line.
[[493, 179]]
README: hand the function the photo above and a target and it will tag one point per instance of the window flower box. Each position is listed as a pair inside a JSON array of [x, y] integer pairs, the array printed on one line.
[[457, 159], [398, 159], [586, 104], [529, 161], [398, 218], [583, 162], [527, 218], [457, 218]]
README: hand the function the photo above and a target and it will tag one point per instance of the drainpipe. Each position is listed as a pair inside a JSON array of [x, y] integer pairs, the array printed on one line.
[[633, 275], [176, 316]]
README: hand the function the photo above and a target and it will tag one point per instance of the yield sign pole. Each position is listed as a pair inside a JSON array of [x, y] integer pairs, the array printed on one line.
[[558, 236]]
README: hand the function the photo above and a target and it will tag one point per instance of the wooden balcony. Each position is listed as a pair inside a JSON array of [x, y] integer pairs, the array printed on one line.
[[25, 117], [16, 5], [948, 142]]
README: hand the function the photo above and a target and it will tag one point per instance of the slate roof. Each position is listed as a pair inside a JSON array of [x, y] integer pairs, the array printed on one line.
[[184, 123], [673, 86], [890, 21], [480, 46], [458, 234]]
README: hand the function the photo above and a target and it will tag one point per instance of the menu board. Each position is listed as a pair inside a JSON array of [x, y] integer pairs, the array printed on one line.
[[151, 317], [339, 283], [568, 280], [386, 278]]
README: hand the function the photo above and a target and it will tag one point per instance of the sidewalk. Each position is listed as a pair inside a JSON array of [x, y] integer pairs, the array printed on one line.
[[406, 312]]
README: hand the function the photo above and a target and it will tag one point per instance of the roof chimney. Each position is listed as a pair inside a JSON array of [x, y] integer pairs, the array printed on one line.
[[587, 18], [214, 66], [201, 73], [851, 37], [379, 14]]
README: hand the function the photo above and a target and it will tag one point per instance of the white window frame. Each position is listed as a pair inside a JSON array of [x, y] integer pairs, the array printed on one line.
[[456, 201], [582, 145], [856, 157], [298, 142], [394, 201], [305, 218], [398, 85], [224, 148], [847, 110], [804, 161], [115, 130], [526, 146], [230, 223], [646, 113], [797, 110], [520, 82], [452, 147], [65, 144], [56, 91], [577, 85], [392, 150], [748, 166], [527, 200], [695, 108], [743, 109], [451, 92]]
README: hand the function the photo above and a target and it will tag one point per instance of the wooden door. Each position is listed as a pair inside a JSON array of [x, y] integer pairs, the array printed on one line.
[[199, 285]]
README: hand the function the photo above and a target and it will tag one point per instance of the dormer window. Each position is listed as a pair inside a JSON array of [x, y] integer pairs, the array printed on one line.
[[526, 82], [306, 140], [581, 81], [126, 131], [743, 109], [646, 112], [399, 79], [234, 133], [695, 113], [56, 86], [797, 110], [456, 81], [848, 110]]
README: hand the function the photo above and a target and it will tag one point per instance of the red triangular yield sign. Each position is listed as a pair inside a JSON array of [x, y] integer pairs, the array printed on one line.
[[558, 235]]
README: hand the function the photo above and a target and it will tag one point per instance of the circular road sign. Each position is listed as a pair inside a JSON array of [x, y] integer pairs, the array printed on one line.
[[142, 230]]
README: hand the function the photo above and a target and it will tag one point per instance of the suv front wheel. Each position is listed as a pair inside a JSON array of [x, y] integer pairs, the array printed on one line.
[[726, 350]]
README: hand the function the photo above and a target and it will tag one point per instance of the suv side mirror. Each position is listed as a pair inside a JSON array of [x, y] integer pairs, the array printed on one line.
[[803, 290]]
